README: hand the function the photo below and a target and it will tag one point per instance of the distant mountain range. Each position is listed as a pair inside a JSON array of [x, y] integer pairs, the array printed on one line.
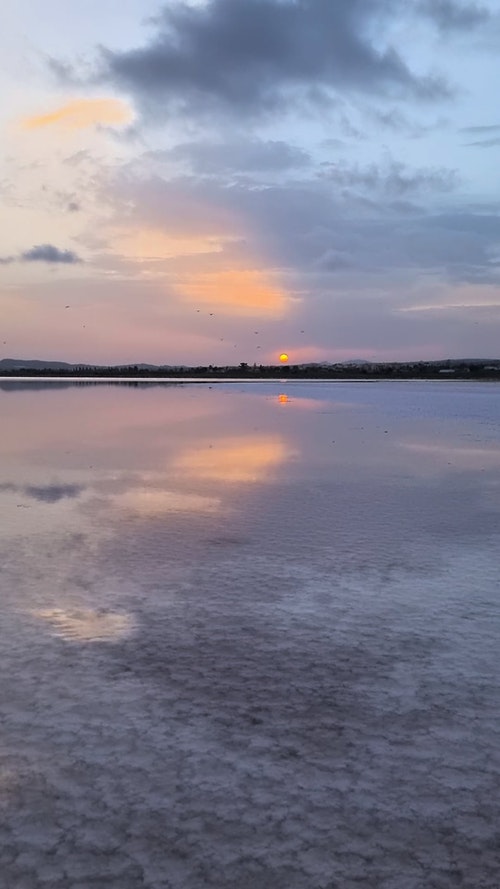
[[34, 364], [15, 363]]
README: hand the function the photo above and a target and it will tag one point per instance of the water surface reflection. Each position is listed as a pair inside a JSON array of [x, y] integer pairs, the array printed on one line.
[[259, 617]]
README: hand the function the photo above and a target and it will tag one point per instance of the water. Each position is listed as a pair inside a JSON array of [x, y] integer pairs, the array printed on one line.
[[249, 636]]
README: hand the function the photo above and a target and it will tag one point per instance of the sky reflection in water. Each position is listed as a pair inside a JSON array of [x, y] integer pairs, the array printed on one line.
[[338, 467], [161, 451], [158, 477], [271, 608]]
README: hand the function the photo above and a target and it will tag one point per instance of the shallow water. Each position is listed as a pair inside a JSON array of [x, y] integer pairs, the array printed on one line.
[[250, 636]]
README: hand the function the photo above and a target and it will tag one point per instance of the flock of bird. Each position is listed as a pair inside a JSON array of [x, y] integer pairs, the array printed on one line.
[[198, 311]]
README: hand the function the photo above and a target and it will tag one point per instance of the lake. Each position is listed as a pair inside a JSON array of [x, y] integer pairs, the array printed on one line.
[[250, 635]]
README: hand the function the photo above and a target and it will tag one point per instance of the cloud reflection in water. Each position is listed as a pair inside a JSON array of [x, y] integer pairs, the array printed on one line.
[[150, 502], [239, 459], [87, 625]]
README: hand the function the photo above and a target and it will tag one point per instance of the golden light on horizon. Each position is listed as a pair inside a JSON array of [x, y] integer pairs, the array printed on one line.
[[79, 114], [283, 358], [283, 399]]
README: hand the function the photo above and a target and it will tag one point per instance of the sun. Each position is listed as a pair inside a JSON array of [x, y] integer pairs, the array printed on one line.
[[283, 357]]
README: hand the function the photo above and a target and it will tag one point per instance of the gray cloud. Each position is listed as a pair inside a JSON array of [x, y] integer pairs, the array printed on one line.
[[394, 179], [371, 249], [233, 156], [43, 253], [449, 15], [478, 130], [312, 225], [247, 56], [396, 121], [79, 157], [483, 143], [49, 253], [487, 130]]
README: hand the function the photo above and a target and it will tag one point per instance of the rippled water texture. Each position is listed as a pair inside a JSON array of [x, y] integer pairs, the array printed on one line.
[[250, 636]]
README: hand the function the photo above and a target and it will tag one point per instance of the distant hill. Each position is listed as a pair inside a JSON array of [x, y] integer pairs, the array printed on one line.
[[34, 364], [15, 363]]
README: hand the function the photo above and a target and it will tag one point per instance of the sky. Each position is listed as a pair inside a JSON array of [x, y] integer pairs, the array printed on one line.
[[220, 181]]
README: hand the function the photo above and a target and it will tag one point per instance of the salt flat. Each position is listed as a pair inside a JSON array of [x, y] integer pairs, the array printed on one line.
[[250, 636]]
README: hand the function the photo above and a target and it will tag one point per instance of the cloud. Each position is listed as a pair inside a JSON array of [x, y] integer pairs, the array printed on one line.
[[43, 253], [450, 16], [49, 253], [483, 143], [81, 114], [353, 223], [251, 56], [487, 131], [236, 292], [396, 121], [488, 128], [392, 179], [236, 155]]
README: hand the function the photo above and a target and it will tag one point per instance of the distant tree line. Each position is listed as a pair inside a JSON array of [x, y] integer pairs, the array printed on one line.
[[397, 370]]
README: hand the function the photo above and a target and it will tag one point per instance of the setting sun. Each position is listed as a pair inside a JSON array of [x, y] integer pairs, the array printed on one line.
[[283, 357]]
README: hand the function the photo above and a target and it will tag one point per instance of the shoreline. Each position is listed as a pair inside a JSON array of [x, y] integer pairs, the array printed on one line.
[[109, 378]]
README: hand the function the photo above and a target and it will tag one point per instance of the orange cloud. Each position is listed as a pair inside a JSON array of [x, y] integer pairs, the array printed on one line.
[[146, 245], [236, 292], [82, 113]]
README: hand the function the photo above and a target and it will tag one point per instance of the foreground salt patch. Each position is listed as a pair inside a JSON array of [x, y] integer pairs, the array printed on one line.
[[87, 625]]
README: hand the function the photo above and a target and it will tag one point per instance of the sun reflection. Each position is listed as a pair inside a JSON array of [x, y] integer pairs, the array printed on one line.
[[244, 459], [283, 399]]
